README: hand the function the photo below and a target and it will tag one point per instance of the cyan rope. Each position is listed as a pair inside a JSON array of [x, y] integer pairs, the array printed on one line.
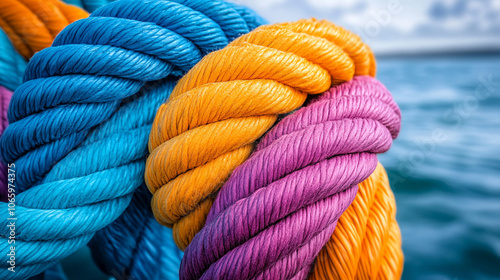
[[12, 64], [134, 242], [79, 129]]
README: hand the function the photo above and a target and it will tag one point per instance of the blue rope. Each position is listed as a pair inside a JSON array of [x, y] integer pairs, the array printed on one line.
[[79, 129], [12, 64], [52, 273]]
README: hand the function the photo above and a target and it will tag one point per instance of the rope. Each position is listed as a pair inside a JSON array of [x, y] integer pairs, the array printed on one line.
[[279, 208], [366, 243], [80, 122], [5, 96], [224, 104], [52, 273], [32, 25], [55, 272], [12, 65]]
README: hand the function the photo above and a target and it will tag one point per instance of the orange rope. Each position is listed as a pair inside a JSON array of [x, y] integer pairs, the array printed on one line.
[[366, 243], [230, 99], [32, 25]]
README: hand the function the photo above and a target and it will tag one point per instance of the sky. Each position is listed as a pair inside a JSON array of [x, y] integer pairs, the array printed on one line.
[[400, 26]]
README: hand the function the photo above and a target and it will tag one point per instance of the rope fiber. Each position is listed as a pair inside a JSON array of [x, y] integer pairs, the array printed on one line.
[[366, 243], [79, 128], [279, 208], [228, 101], [262, 160]]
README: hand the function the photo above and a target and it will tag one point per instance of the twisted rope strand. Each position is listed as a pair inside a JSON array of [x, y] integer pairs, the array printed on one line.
[[32, 25], [366, 243], [12, 65], [80, 143], [5, 96], [230, 99], [274, 214], [88, 5]]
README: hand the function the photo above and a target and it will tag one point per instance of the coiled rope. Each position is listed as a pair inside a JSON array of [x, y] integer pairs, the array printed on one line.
[[12, 64], [80, 122], [229, 100], [279, 208], [366, 243], [32, 25]]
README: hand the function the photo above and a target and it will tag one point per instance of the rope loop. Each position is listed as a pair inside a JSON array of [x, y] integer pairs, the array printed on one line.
[[228, 100]]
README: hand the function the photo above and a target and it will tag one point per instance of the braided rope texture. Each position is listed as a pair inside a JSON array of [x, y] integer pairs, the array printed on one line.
[[80, 124], [366, 243], [32, 25], [279, 208], [229, 100], [5, 96], [12, 65], [54, 272]]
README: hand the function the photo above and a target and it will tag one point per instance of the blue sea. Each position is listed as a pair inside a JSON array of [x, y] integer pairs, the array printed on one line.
[[444, 167]]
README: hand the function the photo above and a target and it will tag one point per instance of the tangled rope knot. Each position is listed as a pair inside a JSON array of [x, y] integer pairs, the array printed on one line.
[[80, 124], [88, 5], [280, 207], [32, 25], [229, 100]]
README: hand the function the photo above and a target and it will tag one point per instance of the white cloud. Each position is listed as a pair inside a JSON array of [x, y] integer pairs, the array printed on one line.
[[417, 20]]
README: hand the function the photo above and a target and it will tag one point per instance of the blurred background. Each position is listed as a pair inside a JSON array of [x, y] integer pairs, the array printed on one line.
[[441, 61]]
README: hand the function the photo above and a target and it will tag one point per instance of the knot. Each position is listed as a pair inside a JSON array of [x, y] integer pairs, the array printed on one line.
[[369, 235], [280, 207], [32, 25], [229, 100], [80, 124]]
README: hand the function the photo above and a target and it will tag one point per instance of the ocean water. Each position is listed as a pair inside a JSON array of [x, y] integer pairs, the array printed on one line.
[[445, 166]]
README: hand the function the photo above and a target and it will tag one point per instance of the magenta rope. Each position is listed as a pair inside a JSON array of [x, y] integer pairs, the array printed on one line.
[[280, 207]]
